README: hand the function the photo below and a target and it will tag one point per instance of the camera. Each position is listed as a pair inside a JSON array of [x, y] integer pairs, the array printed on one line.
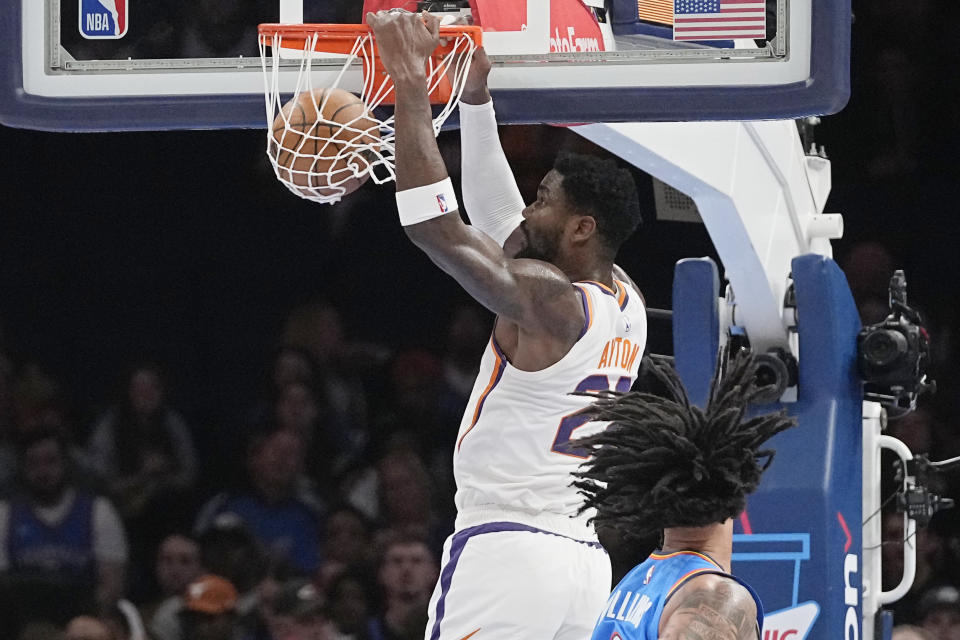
[[893, 355], [916, 499]]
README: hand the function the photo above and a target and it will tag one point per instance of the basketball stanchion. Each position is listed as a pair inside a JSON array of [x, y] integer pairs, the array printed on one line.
[[324, 142]]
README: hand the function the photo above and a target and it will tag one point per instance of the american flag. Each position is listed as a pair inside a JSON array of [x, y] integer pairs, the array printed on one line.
[[719, 19], [655, 11]]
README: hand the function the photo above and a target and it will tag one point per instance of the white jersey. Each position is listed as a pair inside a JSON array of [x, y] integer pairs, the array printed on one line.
[[513, 451]]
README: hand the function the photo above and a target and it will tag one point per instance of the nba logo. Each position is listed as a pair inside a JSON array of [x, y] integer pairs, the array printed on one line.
[[442, 202], [103, 19], [649, 575]]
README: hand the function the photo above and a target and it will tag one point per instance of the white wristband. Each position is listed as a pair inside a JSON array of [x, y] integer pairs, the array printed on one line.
[[423, 203]]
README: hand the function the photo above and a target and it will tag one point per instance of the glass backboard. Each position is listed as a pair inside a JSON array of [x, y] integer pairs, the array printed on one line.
[[87, 65]]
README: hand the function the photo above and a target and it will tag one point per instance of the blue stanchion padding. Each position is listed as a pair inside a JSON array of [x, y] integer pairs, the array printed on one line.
[[885, 626], [814, 485], [696, 324]]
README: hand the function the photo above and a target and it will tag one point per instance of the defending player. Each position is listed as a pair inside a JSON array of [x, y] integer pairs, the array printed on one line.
[[522, 564], [664, 465]]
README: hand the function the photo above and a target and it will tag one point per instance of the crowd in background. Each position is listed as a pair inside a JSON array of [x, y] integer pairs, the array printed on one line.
[[331, 527], [322, 516]]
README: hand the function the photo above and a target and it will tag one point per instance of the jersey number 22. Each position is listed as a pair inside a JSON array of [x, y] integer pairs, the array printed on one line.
[[569, 424]]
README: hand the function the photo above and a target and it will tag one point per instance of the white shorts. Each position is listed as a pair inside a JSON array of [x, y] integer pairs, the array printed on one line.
[[510, 581]]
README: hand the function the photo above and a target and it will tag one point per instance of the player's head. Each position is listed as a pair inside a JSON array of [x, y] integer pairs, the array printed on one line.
[[665, 463], [584, 202]]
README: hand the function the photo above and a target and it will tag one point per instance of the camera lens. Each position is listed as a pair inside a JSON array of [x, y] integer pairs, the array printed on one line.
[[883, 347], [772, 372]]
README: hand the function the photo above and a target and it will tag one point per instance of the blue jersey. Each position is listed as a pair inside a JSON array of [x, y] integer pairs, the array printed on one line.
[[64, 550], [289, 529], [634, 608]]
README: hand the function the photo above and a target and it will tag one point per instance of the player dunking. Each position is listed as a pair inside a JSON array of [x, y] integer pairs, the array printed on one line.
[[664, 465], [522, 564]]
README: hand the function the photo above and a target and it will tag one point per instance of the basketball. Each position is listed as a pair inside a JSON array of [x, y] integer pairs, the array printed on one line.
[[321, 142]]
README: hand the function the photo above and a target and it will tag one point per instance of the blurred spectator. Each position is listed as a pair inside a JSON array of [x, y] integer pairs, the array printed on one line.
[[909, 632], [416, 384], [344, 363], [30, 401], [142, 448], [407, 576], [276, 508], [143, 453], [468, 332], [293, 364], [288, 365], [299, 614], [935, 567], [125, 621], [210, 610], [404, 489], [63, 551], [88, 628], [351, 607], [422, 414], [298, 409], [300, 395], [396, 493], [347, 544], [328, 449], [37, 400], [467, 335], [229, 550], [178, 564], [940, 613]]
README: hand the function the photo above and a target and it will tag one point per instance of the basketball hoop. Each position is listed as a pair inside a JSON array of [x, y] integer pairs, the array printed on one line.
[[332, 156]]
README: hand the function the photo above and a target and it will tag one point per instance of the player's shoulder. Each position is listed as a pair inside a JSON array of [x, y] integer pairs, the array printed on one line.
[[549, 278], [623, 276], [711, 601], [552, 303]]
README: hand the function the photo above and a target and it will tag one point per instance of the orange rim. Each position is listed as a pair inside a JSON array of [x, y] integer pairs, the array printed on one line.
[[340, 38]]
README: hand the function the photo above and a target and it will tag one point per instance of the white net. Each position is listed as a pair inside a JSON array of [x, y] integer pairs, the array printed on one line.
[[324, 142]]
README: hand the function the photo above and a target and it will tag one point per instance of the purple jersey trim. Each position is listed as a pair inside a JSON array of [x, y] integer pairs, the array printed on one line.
[[501, 367], [599, 286], [586, 312], [459, 542], [605, 290]]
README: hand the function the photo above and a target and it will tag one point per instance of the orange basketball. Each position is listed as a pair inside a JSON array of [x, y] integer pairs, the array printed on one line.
[[317, 140]]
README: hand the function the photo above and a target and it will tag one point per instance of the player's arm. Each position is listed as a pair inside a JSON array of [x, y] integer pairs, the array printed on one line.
[[710, 607], [532, 293], [491, 197]]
